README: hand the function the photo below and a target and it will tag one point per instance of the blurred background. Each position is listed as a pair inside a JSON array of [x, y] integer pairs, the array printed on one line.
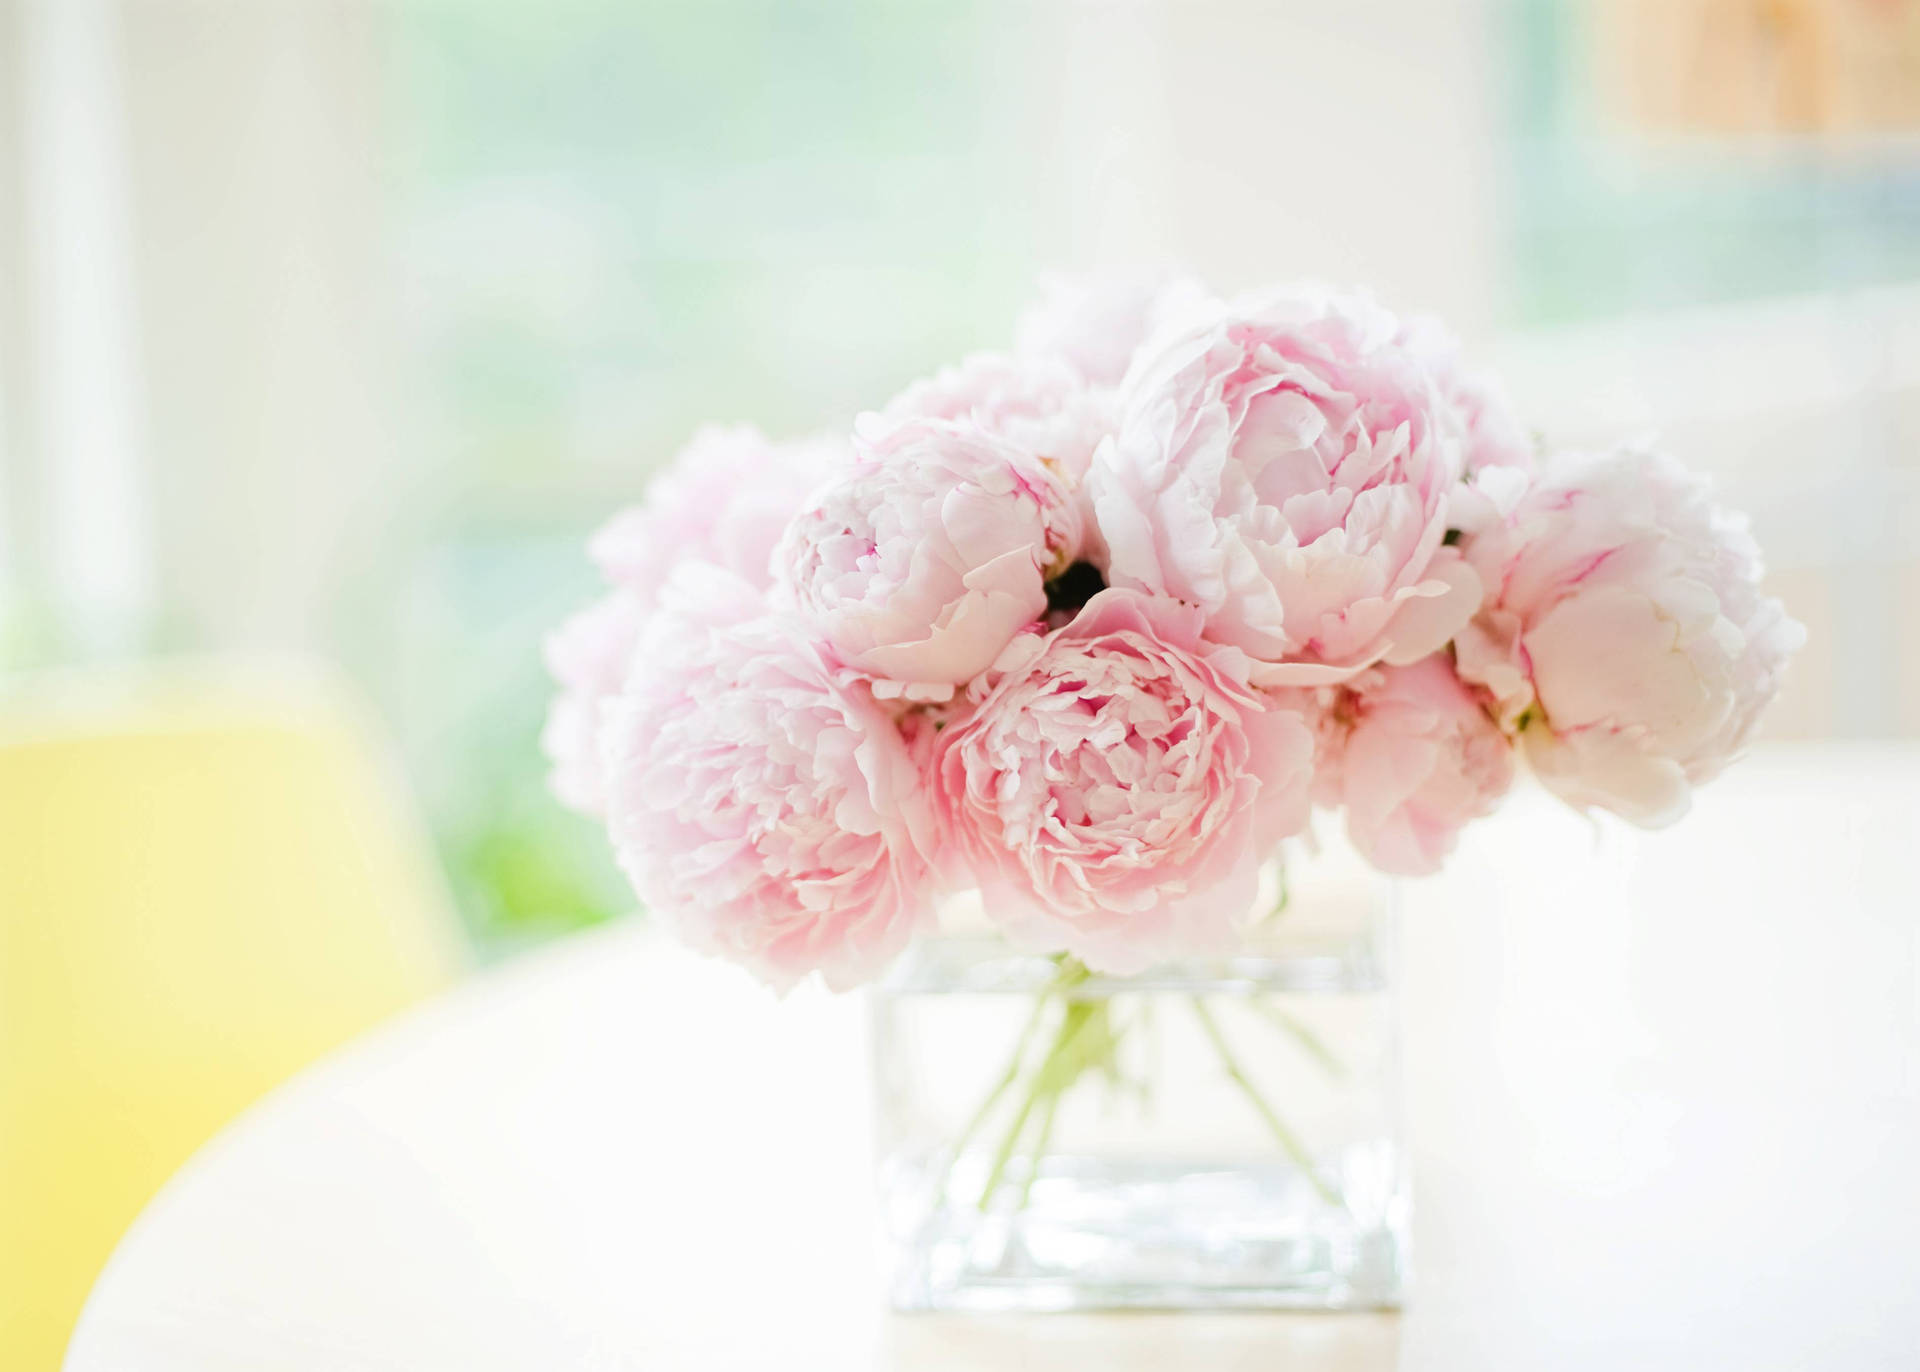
[[329, 328]]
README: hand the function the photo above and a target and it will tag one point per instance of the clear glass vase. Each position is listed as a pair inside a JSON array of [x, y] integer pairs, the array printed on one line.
[[1217, 1134]]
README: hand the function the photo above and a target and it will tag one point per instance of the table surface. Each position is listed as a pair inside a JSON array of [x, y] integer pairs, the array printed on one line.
[[1664, 1096]]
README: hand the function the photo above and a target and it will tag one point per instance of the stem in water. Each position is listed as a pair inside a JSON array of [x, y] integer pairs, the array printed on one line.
[[1288, 1140], [1086, 1037]]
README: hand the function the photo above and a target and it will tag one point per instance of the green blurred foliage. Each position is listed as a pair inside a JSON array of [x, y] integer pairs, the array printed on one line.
[[614, 222]]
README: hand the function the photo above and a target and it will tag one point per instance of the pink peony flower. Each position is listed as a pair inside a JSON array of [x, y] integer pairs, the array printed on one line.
[[1286, 468], [1039, 404], [1490, 433], [1625, 638], [1119, 785], [759, 799], [928, 554], [724, 499], [587, 655], [1096, 323], [1412, 756]]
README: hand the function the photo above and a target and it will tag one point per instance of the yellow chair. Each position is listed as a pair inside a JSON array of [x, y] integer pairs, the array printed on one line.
[[206, 880]]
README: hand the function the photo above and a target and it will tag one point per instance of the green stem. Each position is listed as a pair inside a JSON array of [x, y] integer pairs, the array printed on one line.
[[1310, 1042], [1039, 1150], [1007, 1144], [1085, 1038], [1064, 1062], [1070, 974], [1289, 1141], [1001, 1086]]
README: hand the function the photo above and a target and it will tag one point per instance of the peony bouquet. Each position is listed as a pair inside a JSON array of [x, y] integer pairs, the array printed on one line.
[[1093, 626]]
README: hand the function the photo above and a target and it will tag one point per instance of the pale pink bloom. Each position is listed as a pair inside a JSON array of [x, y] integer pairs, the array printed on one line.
[[929, 552], [1411, 755], [587, 655], [1119, 785], [1286, 467], [1097, 322], [1039, 404], [1474, 401], [723, 499], [761, 801], [1625, 638]]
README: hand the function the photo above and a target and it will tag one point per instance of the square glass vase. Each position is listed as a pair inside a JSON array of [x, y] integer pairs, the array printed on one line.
[[1219, 1134]]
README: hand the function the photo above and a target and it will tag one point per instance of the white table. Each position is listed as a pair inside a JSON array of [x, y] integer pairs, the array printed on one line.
[[1665, 1093]]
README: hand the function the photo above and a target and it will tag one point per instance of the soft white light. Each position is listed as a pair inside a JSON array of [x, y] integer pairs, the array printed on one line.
[[86, 378]]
